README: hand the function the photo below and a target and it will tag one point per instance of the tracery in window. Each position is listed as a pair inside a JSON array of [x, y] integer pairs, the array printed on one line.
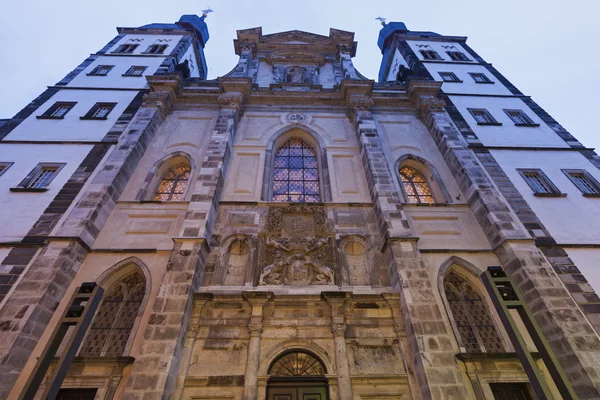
[[296, 174], [297, 363], [115, 318], [471, 316], [415, 186], [173, 183]]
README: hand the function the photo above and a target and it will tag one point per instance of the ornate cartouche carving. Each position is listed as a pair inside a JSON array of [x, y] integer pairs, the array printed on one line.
[[360, 102], [233, 99], [295, 249], [163, 101]]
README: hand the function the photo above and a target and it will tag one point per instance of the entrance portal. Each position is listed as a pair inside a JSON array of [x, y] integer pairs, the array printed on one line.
[[297, 375]]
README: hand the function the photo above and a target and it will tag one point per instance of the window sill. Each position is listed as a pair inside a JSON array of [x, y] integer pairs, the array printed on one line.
[[452, 81], [550, 194], [96, 75], [484, 83], [528, 125], [93, 118], [31, 190], [154, 54], [121, 52], [48, 117], [591, 195], [490, 123], [479, 356], [132, 76]]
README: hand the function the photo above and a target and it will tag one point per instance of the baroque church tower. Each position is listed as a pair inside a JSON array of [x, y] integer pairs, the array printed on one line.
[[293, 229]]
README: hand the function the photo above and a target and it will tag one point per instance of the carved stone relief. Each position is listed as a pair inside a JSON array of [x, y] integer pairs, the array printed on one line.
[[295, 248], [295, 74]]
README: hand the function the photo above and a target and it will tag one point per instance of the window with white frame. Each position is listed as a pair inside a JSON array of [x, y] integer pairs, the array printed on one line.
[[101, 70], [4, 166], [449, 77], [480, 77], [483, 117], [583, 181], [457, 56], [539, 182], [126, 48], [58, 110], [430, 55], [41, 176], [99, 111], [135, 70], [156, 48], [520, 118]]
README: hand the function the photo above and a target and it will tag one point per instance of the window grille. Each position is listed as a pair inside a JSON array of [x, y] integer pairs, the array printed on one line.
[[480, 78], [135, 71], [415, 186], [100, 111], [519, 117], [538, 181], [115, 318], [296, 173], [101, 70], [156, 48], [449, 77], [58, 110], [471, 316], [582, 181], [126, 48], [297, 364], [483, 117], [173, 184]]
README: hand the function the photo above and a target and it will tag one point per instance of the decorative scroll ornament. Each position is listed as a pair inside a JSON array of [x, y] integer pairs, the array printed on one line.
[[359, 102], [255, 329], [338, 330], [430, 104], [246, 45], [163, 101], [232, 100]]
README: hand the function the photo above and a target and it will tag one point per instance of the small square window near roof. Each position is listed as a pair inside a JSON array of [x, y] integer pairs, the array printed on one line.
[[458, 56], [583, 181], [99, 111], [58, 110], [539, 183], [483, 117], [480, 78], [101, 70], [520, 118], [135, 70], [449, 77]]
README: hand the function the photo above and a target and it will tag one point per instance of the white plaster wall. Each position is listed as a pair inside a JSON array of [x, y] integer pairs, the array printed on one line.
[[190, 55], [507, 134], [571, 219], [587, 260], [264, 75], [147, 40], [467, 85], [114, 78], [327, 76], [397, 61], [438, 46], [71, 127], [19, 211]]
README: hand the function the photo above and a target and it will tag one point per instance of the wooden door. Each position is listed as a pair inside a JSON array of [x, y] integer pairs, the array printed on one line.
[[296, 392]]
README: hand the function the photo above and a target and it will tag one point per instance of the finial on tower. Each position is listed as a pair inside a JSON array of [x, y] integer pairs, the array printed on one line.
[[381, 19], [207, 11]]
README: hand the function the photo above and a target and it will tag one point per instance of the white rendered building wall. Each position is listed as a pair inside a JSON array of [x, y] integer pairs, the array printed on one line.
[[20, 210], [467, 85], [507, 134], [115, 78], [440, 47], [72, 128], [571, 219], [147, 40]]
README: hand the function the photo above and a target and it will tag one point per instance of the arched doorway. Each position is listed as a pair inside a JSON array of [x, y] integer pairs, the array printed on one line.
[[297, 375]]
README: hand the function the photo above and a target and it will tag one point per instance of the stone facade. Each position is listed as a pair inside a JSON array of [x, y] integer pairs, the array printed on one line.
[[348, 278]]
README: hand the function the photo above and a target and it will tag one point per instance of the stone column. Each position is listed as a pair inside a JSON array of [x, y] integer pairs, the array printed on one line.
[[336, 301], [257, 300]]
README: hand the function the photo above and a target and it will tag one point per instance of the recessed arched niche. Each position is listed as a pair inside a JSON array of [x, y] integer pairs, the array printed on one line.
[[355, 253]]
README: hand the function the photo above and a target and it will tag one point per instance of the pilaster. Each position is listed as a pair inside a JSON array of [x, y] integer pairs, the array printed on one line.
[[257, 301], [337, 301]]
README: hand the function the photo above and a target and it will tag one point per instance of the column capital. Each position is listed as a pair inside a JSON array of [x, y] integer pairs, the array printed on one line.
[[339, 330], [255, 330], [161, 100]]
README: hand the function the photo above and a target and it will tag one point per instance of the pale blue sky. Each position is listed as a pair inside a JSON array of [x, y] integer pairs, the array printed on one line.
[[547, 48]]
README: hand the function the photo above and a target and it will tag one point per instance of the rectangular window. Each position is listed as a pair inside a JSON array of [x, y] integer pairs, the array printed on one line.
[[510, 391], [449, 77], [126, 48], [99, 111], [430, 55], [4, 166], [40, 177], [539, 183], [58, 110], [583, 181], [101, 70], [480, 78], [520, 118], [483, 117], [457, 56], [156, 48], [135, 70]]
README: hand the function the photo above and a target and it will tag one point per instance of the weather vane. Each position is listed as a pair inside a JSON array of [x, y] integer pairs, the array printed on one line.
[[381, 19], [207, 11]]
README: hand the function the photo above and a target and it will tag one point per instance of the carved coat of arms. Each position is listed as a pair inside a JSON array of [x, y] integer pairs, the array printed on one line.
[[295, 249]]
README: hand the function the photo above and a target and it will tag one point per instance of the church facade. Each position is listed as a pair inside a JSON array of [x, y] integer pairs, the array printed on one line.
[[295, 230]]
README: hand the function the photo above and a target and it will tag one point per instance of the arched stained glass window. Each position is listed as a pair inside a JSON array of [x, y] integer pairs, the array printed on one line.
[[415, 186], [115, 318], [296, 173], [172, 185], [297, 364], [471, 316]]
